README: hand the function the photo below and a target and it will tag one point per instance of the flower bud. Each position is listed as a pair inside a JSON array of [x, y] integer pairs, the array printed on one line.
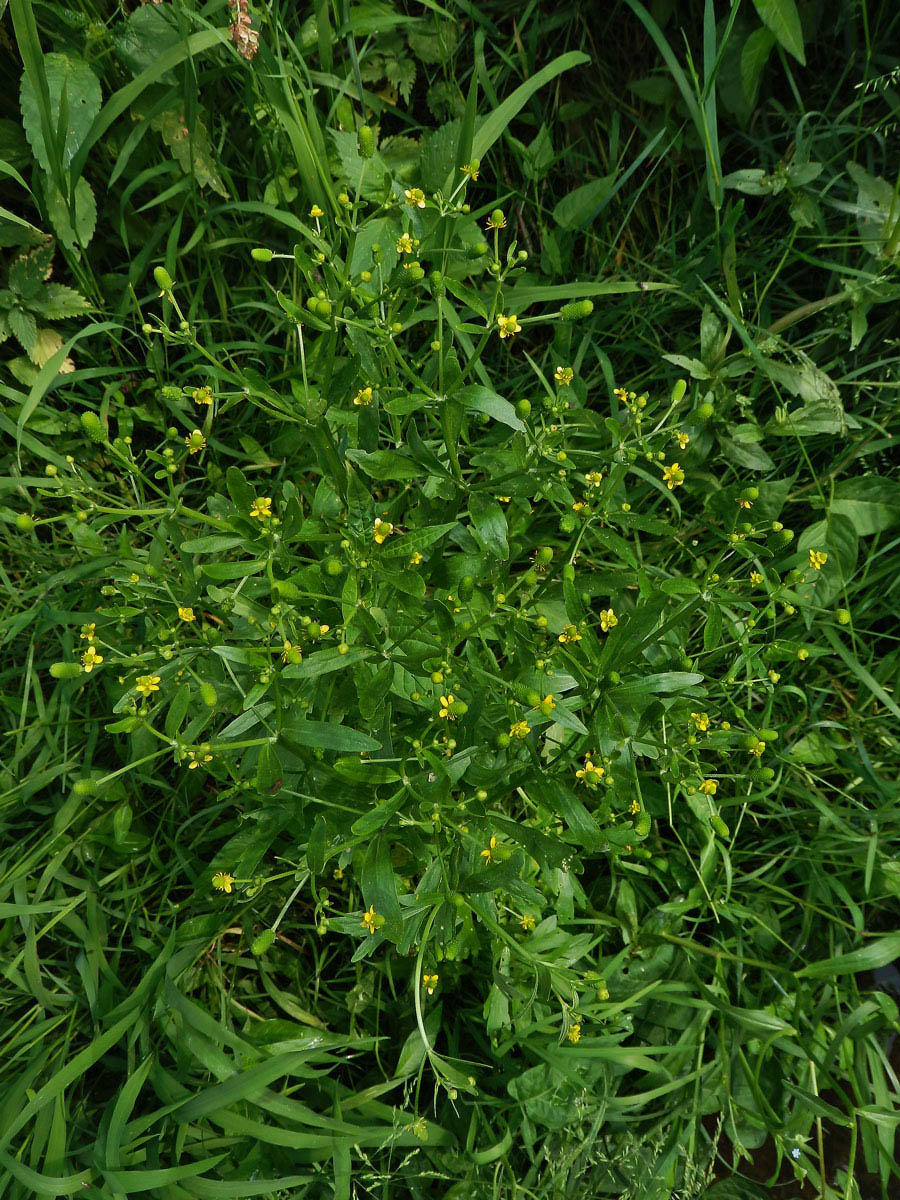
[[261, 254], [163, 279], [577, 310]]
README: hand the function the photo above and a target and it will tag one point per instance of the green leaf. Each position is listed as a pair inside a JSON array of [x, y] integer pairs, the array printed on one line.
[[754, 56], [783, 20], [65, 73], [23, 327], [878, 953], [57, 301], [562, 801], [327, 735], [379, 887], [324, 662], [482, 399], [387, 465], [378, 816], [234, 570], [489, 524], [188, 140], [77, 233], [871, 504], [415, 541], [579, 207]]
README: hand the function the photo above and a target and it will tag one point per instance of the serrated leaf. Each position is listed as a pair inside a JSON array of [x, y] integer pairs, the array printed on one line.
[[190, 146], [83, 100], [23, 327], [80, 233], [56, 301]]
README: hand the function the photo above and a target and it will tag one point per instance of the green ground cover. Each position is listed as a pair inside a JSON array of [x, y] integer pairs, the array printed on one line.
[[449, 511]]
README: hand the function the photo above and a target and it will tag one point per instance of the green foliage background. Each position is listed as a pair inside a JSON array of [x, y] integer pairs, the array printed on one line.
[[449, 510]]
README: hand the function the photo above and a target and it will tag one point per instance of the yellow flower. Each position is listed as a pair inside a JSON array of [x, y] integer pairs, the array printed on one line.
[[803, 654], [569, 634], [590, 773], [316, 212], [290, 652], [546, 705], [415, 558], [708, 787], [185, 612], [701, 721], [90, 658], [363, 397], [579, 506], [508, 326], [774, 676], [673, 476], [743, 503], [594, 478], [471, 169], [415, 197], [622, 395], [197, 759], [755, 578], [89, 631], [261, 508], [757, 748], [635, 807], [382, 530], [444, 710], [370, 919], [574, 1033], [817, 559], [195, 442], [488, 853], [496, 220], [202, 395], [519, 729], [504, 499], [527, 922], [429, 983], [608, 619], [404, 244], [682, 439], [147, 684], [563, 376], [337, 873], [223, 882]]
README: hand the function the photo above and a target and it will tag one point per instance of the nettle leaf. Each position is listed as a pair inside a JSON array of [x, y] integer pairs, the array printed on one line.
[[57, 302], [190, 146], [77, 233], [143, 37], [23, 327], [67, 75]]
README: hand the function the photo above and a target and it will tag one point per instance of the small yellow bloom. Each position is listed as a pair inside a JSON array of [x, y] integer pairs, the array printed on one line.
[[682, 439], [316, 212], [370, 919], [574, 1033], [382, 530], [470, 169], [404, 244], [337, 874], [197, 759], [758, 748], [673, 476], [563, 376], [444, 710], [415, 558], [495, 221], [134, 577], [701, 721], [817, 559], [415, 197], [527, 922], [708, 787], [223, 882], [519, 729], [594, 478], [569, 634], [803, 654], [744, 503], [195, 442], [290, 652], [488, 853], [90, 659], [185, 612], [508, 326], [773, 676], [202, 395], [261, 508], [89, 631], [363, 397], [579, 507], [429, 983], [635, 807], [608, 619], [755, 578], [623, 396], [546, 705], [504, 499], [590, 773], [147, 684]]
